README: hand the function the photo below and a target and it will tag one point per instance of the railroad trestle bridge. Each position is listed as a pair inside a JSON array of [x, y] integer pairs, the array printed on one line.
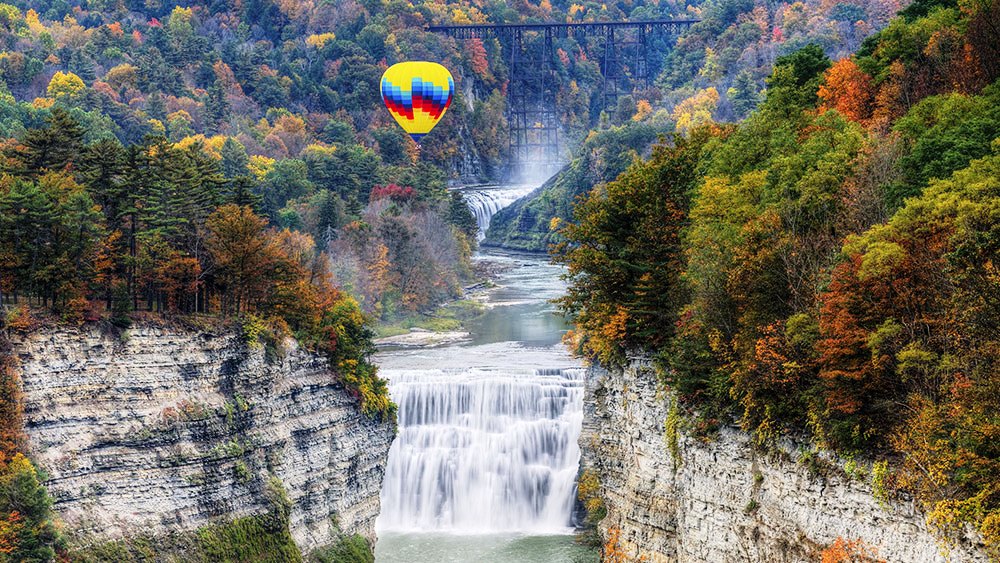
[[532, 117]]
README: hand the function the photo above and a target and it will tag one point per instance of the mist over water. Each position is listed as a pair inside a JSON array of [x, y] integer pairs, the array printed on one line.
[[541, 166]]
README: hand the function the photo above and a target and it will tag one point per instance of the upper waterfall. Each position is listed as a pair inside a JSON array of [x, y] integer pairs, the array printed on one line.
[[486, 202]]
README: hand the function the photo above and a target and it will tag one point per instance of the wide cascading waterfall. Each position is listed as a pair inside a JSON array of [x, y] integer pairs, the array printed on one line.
[[483, 450], [486, 202]]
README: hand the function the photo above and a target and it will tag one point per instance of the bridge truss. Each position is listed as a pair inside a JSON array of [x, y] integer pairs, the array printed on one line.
[[531, 94]]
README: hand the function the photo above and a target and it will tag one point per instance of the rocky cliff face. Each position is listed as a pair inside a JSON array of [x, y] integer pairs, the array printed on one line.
[[723, 502], [166, 430]]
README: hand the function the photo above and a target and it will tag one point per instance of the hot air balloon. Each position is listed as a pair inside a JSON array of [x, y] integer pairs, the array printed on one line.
[[417, 94]]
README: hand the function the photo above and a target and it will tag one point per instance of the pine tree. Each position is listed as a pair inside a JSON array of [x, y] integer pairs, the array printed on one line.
[[102, 170], [53, 146], [744, 94], [234, 158], [353, 207], [191, 191], [155, 106], [83, 66], [331, 214], [242, 191], [216, 106], [27, 219]]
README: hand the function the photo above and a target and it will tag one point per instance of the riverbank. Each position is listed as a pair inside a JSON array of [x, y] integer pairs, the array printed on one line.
[[447, 323]]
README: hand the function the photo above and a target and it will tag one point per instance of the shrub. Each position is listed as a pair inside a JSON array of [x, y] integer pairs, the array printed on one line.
[[348, 549], [880, 479], [242, 471], [19, 319], [253, 328], [253, 538], [261, 538], [25, 512], [588, 491], [672, 433], [850, 551]]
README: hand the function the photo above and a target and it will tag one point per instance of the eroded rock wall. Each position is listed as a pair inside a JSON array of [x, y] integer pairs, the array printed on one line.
[[165, 430], [723, 502]]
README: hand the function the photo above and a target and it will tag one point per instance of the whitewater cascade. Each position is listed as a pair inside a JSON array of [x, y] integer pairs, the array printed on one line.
[[486, 202], [483, 450]]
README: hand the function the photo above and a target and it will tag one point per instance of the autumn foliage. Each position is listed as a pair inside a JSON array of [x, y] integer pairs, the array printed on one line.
[[393, 192], [829, 265], [280, 276], [625, 289], [847, 89], [849, 551], [27, 531]]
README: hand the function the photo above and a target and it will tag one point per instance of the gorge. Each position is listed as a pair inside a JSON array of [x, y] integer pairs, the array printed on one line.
[[246, 317], [189, 428]]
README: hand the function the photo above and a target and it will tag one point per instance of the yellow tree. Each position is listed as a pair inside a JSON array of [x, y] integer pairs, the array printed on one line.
[[379, 272], [696, 110], [65, 85], [643, 109]]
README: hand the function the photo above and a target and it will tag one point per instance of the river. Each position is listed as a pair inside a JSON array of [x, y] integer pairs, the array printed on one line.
[[484, 465]]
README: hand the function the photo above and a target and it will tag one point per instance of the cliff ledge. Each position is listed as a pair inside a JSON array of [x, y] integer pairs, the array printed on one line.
[[722, 500], [164, 430]]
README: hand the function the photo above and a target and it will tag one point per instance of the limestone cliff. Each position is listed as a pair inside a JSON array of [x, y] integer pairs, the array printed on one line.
[[721, 501], [166, 430]]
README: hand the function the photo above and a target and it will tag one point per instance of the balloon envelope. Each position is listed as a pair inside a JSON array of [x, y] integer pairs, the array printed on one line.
[[417, 94]]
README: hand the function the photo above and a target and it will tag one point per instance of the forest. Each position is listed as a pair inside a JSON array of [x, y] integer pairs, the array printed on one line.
[[825, 264], [714, 72], [828, 265]]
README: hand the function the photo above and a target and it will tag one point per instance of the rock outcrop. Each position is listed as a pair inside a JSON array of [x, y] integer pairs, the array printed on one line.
[[165, 430], [721, 501]]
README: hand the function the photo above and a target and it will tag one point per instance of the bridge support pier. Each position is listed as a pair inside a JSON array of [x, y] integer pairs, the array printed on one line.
[[533, 137]]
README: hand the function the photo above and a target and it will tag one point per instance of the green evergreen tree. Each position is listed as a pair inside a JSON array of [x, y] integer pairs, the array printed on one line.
[[82, 65], [216, 106], [460, 216], [795, 80], [242, 191], [353, 207], [53, 146], [155, 106], [27, 216], [102, 170], [744, 94], [234, 158], [330, 211]]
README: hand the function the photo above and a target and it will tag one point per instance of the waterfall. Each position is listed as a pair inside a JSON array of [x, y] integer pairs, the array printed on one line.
[[483, 450], [486, 202]]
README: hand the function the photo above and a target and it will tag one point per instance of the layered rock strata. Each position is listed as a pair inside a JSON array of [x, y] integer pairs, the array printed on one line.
[[677, 499], [163, 430]]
